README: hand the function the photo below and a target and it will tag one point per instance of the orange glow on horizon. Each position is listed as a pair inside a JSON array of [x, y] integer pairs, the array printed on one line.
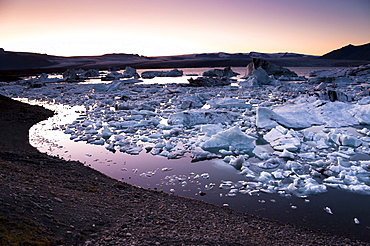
[[164, 27]]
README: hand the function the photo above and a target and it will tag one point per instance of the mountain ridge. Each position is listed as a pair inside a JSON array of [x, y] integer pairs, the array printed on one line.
[[350, 52], [11, 60]]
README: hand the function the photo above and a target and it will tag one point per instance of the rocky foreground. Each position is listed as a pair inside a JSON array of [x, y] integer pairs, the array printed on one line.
[[48, 201]]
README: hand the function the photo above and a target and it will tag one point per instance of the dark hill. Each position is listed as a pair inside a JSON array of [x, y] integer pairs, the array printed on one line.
[[350, 52], [22, 60]]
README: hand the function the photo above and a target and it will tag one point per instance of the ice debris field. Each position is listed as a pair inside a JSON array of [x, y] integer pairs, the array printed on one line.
[[286, 135]]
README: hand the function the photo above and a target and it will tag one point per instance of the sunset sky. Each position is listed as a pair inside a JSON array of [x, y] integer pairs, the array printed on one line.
[[174, 27]]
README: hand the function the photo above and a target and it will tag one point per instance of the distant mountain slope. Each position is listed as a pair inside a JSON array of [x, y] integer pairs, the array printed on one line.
[[15, 64], [350, 52], [254, 54], [22, 60]]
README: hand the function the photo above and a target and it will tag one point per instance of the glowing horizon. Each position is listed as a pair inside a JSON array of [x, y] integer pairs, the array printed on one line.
[[165, 27]]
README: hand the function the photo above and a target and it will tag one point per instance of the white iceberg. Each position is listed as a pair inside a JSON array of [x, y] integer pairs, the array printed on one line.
[[266, 118], [231, 137], [228, 103], [202, 116], [280, 139]]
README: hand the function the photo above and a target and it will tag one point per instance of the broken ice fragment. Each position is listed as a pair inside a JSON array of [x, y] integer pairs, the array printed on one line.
[[106, 133], [287, 154], [328, 210], [271, 163], [261, 152], [165, 169], [233, 137], [201, 116], [210, 129], [347, 140], [238, 162], [286, 140], [204, 155], [205, 175], [226, 185], [98, 142], [201, 193], [228, 103], [310, 155], [268, 119]]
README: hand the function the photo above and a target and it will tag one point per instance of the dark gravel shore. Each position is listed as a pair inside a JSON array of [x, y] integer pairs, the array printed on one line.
[[48, 201]]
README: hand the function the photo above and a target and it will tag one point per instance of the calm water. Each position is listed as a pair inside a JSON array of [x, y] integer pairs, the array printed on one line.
[[183, 177], [194, 72]]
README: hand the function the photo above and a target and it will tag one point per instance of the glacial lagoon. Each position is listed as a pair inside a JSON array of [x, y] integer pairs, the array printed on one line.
[[224, 180]]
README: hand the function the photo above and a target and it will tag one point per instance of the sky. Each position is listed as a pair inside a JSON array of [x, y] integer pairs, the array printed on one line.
[[175, 27]]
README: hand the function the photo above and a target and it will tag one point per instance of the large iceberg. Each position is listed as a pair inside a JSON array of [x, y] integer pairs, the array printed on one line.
[[268, 67], [231, 138], [294, 117], [330, 114]]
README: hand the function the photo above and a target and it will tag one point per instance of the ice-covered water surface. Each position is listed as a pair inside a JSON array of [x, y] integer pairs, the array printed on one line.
[[264, 161]]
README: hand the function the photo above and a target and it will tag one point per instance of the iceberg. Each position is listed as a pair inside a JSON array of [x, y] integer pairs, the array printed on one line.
[[281, 139], [301, 114], [203, 155], [151, 74], [233, 137], [209, 81], [226, 72], [91, 73], [210, 129], [269, 68], [228, 103], [202, 116], [130, 72], [295, 118], [270, 164]]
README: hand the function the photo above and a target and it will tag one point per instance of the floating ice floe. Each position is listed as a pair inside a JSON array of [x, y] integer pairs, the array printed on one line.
[[304, 112], [282, 139], [228, 103], [226, 72], [151, 74], [328, 210], [202, 116], [233, 137]]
